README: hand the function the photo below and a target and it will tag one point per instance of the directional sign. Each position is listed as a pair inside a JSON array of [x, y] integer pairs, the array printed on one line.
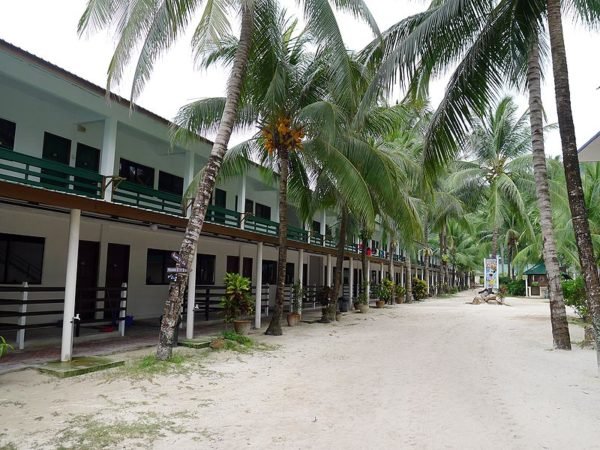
[[172, 277], [176, 270], [178, 259]]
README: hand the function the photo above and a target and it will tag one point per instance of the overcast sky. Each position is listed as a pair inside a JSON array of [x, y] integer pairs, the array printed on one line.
[[48, 29]]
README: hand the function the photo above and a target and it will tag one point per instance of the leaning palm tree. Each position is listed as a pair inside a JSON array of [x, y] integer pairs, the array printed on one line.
[[150, 28]]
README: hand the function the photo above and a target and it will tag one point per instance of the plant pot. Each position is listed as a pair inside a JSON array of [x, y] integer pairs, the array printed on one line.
[[379, 303], [363, 308], [338, 315], [241, 326], [293, 318], [398, 301], [356, 306]]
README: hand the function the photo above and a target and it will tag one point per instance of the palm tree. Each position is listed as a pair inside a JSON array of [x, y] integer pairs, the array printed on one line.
[[491, 41], [153, 27]]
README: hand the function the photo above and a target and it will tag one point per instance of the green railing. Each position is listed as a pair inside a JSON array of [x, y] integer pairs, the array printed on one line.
[[222, 216], [330, 242], [260, 225], [140, 196], [353, 248], [19, 168], [316, 238], [297, 234]]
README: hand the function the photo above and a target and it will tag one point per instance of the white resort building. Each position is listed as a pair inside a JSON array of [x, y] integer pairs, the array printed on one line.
[[91, 209]]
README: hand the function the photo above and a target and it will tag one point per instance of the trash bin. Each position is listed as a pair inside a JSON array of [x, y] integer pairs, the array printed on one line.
[[344, 304]]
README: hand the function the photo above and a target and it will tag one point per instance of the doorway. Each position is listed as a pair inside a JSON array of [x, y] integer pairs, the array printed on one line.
[[87, 158], [57, 149], [87, 279], [117, 273]]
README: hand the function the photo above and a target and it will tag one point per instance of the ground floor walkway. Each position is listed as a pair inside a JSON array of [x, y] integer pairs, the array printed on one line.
[[435, 374]]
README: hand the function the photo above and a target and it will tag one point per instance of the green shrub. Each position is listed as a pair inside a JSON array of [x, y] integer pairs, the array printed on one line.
[[4, 346], [505, 280], [574, 292], [515, 287], [385, 290], [237, 301], [419, 289]]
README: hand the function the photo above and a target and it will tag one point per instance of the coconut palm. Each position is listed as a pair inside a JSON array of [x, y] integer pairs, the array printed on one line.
[[491, 41], [151, 27]]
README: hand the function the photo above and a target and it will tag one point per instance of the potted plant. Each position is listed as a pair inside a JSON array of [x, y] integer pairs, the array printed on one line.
[[400, 292], [384, 292], [294, 315], [419, 289], [363, 302], [237, 302], [4, 346]]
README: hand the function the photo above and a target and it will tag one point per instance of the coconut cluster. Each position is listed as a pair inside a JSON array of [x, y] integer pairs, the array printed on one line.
[[284, 135]]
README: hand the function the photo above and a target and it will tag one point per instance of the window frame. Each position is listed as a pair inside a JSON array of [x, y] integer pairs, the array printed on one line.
[[10, 124], [10, 238]]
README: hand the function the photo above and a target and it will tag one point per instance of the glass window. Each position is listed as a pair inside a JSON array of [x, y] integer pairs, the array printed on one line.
[[21, 259], [170, 183], [249, 206], [262, 211], [269, 272], [7, 134], [289, 273], [205, 269], [156, 266], [316, 226], [136, 173]]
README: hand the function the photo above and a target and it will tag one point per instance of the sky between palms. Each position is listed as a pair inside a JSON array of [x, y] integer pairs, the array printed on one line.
[[49, 31]]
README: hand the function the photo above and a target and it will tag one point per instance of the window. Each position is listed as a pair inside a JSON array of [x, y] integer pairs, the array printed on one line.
[[249, 206], [169, 183], [21, 259], [220, 198], [7, 134], [156, 266], [262, 211], [205, 269], [289, 273], [269, 272], [316, 226], [233, 264], [136, 173]]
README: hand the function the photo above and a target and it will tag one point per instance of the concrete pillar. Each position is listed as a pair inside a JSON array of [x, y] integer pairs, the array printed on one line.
[[241, 206], [108, 153], [66, 351], [329, 270], [191, 299], [402, 270], [382, 271], [188, 177], [301, 267], [258, 278], [351, 280]]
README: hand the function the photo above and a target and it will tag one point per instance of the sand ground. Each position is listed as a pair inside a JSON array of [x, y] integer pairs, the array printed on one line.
[[436, 374]]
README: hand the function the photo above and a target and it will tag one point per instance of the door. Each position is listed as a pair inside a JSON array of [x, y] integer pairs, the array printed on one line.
[[233, 264], [87, 158], [247, 268], [316, 270], [87, 279], [117, 273], [57, 149]]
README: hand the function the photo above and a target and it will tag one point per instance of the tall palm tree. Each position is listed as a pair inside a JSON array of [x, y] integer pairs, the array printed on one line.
[[154, 26], [491, 41]]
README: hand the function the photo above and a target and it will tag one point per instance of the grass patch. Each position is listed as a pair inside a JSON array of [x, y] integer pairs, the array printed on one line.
[[230, 340], [577, 321]]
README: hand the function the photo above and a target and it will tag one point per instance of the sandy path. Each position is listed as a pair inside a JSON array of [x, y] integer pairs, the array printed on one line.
[[439, 374]]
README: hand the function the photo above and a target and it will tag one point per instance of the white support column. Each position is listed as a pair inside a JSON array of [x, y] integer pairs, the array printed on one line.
[[241, 206], [368, 277], [66, 351], [188, 176], [107, 155], [258, 304], [324, 225], [23, 319], [402, 270], [329, 270], [301, 268], [351, 280], [191, 299], [382, 272]]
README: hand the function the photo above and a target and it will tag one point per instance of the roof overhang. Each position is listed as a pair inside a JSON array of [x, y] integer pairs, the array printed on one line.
[[590, 151]]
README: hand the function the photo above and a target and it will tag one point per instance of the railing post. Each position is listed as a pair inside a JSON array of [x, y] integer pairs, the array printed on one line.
[[123, 309], [23, 317]]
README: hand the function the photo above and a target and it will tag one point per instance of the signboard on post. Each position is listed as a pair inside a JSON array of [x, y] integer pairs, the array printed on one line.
[[178, 259], [491, 274], [176, 270]]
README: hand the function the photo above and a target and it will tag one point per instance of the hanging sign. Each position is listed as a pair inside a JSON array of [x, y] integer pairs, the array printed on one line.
[[176, 270]]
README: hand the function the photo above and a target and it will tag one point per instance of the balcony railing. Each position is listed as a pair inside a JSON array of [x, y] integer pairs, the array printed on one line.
[[316, 238], [297, 234], [260, 225], [222, 216], [19, 168], [145, 197]]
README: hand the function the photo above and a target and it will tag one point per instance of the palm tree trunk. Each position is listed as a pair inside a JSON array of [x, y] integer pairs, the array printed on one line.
[[495, 242], [581, 226], [558, 314], [363, 256], [274, 328], [172, 309], [408, 279], [509, 258], [339, 264], [440, 278], [391, 269]]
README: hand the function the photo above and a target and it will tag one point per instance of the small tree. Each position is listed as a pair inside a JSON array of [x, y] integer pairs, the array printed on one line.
[[419, 289]]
